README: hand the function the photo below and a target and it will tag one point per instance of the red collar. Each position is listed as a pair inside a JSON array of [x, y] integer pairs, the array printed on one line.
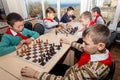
[[48, 19], [91, 23], [95, 20], [85, 58], [18, 34], [9, 32]]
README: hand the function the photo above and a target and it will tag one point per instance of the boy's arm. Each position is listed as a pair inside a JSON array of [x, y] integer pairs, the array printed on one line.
[[73, 44], [77, 46], [5, 48], [49, 24], [30, 33], [92, 71]]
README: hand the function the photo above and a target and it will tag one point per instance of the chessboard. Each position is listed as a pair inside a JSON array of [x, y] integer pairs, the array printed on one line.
[[39, 53], [71, 30]]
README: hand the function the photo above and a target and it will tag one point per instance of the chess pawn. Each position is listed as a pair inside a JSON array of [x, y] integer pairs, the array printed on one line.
[[56, 32], [37, 41], [60, 44], [17, 52], [34, 43], [41, 41], [66, 34], [46, 41], [22, 50]]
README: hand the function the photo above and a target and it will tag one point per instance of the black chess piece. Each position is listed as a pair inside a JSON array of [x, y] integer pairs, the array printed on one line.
[[60, 44], [58, 47]]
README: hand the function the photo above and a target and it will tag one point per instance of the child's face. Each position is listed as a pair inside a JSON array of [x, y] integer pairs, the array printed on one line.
[[18, 26], [93, 13], [70, 13], [84, 21], [51, 15], [89, 46]]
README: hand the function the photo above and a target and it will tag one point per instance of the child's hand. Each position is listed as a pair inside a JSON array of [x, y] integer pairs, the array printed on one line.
[[20, 44], [61, 23], [69, 25], [29, 40], [65, 41], [82, 29], [29, 72]]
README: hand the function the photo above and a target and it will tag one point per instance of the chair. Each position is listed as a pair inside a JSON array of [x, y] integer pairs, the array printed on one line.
[[28, 25], [56, 19], [39, 28], [1, 36], [118, 33], [112, 71], [108, 23], [112, 39]]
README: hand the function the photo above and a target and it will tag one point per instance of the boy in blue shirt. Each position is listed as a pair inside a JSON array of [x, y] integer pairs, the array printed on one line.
[[68, 16], [16, 35]]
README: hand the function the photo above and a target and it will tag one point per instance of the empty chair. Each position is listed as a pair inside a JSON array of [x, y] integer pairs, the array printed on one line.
[[112, 71], [39, 28], [28, 25]]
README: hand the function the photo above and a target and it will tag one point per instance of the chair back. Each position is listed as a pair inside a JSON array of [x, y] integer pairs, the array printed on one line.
[[112, 71], [39, 28], [28, 25]]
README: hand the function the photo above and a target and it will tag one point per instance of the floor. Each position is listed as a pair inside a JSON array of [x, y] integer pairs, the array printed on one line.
[[116, 54]]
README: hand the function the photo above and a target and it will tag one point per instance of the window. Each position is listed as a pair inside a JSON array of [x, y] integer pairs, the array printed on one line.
[[74, 3], [34, 8], [2, 12], [107, 7], [51, 3]]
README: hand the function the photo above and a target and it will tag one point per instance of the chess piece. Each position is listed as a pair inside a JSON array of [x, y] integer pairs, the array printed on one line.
[[35, 60], [66, 34], [60, 44], [28, 57], [46, 41], [58, 47], [56, 32], [17, 52]]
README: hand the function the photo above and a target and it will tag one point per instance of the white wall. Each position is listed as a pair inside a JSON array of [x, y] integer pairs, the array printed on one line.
[[15, 6], [85, 5]]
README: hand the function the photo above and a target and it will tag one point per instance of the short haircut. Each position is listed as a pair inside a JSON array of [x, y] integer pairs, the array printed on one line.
[[50, 10], [86, 14], [13, 17], [96, 9], [70, 8], [98, 33]]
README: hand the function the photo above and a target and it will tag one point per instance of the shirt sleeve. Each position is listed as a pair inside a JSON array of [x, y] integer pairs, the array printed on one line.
[[77, 46], [5, 46], [89, 71], [30, 33], [49, 24]]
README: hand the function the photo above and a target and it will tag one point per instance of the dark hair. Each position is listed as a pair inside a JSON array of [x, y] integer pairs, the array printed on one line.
[[86, 14], [98, 33], [70, 8], [96, 9], [50, 10], [13, 17]]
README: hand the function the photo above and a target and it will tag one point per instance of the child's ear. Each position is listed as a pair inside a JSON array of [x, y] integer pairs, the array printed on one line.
[[101, 46]]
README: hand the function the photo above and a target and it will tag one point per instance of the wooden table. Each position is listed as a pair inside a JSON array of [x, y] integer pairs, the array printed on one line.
[[13, 65], [4, 75]]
